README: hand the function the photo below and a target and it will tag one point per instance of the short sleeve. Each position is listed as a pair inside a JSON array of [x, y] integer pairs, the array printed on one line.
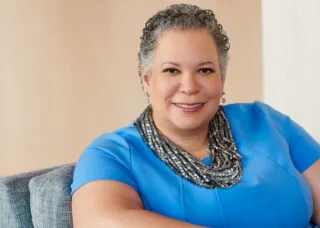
[[304, 149], [107, 158]]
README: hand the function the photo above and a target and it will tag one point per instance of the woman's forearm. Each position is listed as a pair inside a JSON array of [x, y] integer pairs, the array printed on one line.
[[142, 218]]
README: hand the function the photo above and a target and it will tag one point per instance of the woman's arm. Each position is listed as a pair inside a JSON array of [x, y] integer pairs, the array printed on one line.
[[114, 204], [312, 175]]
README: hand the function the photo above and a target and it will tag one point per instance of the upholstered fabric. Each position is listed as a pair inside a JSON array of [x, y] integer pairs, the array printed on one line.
[[50, 198], [15, 200]]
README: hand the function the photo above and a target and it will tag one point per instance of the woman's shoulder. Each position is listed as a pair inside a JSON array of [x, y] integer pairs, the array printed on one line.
[[107, 157], [253, 110], [249, 107], [254, 114], [115, 145], [120, 137]]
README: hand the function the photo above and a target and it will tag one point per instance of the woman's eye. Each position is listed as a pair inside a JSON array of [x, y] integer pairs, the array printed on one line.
[[206, 70], [171, 71]]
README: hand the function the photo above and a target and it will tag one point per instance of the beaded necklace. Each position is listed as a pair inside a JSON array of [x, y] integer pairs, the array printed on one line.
[[225, 169]]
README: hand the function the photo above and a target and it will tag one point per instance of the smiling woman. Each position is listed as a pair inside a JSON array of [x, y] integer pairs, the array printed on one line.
[[187, 160], [185, 83]]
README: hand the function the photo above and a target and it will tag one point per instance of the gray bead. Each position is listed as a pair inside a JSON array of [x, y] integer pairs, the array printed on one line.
[[225, 168]]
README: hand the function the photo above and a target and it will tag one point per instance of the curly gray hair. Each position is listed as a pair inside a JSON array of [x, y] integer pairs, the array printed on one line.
[[181, 17]]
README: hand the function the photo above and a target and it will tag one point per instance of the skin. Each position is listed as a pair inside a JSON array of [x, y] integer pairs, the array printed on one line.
[[312, 175], [184, 80], [185, 70], [193, 76]]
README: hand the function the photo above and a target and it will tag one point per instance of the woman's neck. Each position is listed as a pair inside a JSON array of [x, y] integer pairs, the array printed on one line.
[[192, 141]]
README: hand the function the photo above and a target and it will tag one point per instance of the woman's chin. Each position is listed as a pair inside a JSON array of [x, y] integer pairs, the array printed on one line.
[[190, 121], [189, 125]]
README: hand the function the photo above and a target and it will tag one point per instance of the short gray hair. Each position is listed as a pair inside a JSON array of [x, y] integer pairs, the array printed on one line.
[[181, 17]]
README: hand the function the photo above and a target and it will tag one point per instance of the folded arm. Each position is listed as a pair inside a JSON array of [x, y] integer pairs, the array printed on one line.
[[114, 204]]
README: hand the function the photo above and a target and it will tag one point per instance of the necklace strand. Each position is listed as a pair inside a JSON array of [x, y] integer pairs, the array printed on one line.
[[225, 169]]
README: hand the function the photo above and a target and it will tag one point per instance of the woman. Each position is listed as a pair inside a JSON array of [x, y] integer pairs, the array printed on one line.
[[189, 162]]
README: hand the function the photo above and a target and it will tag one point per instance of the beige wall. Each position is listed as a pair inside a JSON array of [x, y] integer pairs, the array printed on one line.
[[68, 72]]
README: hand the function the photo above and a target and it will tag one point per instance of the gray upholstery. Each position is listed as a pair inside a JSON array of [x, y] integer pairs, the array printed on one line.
[[50, 198], [15, 200]]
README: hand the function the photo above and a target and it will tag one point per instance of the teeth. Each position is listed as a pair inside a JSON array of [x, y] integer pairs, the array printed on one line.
[[189, 106]]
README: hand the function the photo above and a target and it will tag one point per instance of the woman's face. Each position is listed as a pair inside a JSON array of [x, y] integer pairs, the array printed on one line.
[[185, 84]]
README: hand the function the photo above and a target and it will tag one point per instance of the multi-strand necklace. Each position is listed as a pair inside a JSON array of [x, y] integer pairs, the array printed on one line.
[[225, 169]]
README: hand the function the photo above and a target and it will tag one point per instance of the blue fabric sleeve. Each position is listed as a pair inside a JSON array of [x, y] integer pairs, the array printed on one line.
[[107, 158], [304, 150]]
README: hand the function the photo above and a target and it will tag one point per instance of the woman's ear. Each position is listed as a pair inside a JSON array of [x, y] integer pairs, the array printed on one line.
[[145, 78], [223, 80]]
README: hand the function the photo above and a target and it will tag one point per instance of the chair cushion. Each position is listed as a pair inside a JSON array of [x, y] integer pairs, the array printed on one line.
[[15, 199], [50, 198]]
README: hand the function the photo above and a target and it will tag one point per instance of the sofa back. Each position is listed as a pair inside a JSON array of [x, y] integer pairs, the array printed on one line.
[[40, 198]]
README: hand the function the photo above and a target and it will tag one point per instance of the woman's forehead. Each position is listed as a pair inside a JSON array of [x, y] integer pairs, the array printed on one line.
[[191, 46]]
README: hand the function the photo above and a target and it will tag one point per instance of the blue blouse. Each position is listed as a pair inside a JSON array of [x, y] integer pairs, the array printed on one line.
[[271, 193]]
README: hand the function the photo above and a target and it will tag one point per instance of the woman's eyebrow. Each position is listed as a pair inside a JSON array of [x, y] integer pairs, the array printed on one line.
[[207, 62], [177, 64], [173, 63]]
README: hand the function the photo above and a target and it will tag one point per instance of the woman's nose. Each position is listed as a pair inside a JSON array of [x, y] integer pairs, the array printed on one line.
[[189, 84]]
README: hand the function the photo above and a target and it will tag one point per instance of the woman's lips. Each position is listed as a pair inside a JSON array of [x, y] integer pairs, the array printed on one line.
[[189, 107]]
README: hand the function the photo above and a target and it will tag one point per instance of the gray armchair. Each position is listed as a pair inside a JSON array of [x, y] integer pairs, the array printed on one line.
[[40, 198]]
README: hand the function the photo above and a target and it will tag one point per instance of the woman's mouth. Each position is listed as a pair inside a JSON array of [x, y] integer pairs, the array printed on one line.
[[189, 108]]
